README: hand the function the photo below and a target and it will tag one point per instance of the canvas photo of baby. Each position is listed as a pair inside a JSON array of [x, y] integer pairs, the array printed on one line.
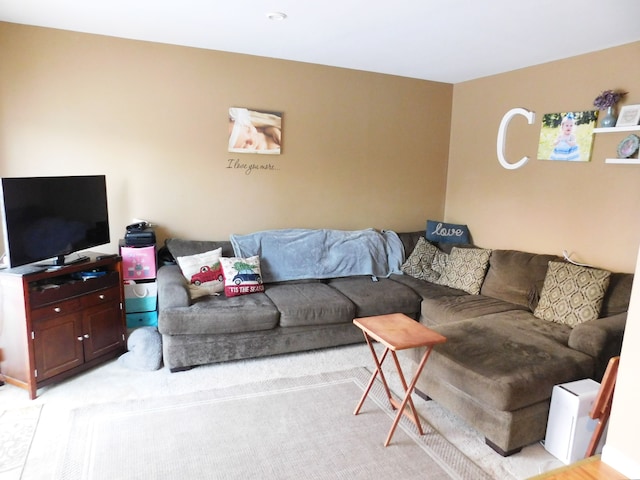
[[567, 136]]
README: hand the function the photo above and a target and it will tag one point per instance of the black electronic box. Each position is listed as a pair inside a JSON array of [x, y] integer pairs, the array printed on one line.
[[138, 237]]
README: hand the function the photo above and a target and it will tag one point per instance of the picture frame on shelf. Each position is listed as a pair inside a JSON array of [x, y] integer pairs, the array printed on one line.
[[628, 146], [629, 116]]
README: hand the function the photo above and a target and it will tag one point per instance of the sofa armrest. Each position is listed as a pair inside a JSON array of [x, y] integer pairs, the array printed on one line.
[[173, 291], [600, 339]]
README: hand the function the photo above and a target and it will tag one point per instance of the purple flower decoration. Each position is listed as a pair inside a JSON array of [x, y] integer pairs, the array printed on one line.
[[607, 99]]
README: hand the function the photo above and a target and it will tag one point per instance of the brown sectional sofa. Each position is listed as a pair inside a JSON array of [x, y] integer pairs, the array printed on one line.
[[500, 362], [496, 370]]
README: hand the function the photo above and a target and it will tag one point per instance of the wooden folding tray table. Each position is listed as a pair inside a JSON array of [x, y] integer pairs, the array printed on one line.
[[397, 332]]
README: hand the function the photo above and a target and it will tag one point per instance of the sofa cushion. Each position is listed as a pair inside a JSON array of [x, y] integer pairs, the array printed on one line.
[[442, 304], [616, 300], [454, 308], [419, 263], [601, 339], [203, 273], [410, 240], [572, 294], [378, 297], [426, 289], [513, 276], [310, 303], [465, 269], [220, 314], [242, 276], [179, 247], [502, 361]]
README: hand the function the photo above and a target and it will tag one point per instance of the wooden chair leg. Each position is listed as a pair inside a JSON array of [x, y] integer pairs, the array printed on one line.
[[602, 405]]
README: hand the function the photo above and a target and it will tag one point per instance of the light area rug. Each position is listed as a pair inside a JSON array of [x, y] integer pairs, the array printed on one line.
[[291, 428], [112, 382]]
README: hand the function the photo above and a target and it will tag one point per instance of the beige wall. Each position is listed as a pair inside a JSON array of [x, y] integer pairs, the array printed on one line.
[[359, 149], [590, 209]]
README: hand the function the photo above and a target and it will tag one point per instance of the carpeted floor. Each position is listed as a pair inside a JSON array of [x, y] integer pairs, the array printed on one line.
[[295, 428], [113, 383]]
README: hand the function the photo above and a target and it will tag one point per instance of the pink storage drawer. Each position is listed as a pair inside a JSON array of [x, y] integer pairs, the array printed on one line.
[[138, 262]]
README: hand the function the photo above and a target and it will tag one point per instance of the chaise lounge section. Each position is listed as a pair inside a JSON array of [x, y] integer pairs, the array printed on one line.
[[500, 363]]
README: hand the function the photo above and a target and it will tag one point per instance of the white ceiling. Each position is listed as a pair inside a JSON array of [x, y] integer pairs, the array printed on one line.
[[442, 40]]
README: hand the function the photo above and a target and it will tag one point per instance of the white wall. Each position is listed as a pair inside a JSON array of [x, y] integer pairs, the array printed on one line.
[[622, 448]]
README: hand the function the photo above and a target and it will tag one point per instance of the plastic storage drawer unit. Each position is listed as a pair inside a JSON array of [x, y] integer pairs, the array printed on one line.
[[141, 296], [142, 319]]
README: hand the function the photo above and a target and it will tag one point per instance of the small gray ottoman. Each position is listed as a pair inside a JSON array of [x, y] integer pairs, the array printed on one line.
[[145, 350]]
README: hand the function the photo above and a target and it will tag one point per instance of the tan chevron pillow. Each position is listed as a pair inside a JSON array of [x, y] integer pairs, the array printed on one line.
[[465, 269], [572, 294]]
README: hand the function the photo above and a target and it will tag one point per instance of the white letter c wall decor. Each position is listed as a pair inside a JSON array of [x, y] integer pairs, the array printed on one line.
[[530, 116]]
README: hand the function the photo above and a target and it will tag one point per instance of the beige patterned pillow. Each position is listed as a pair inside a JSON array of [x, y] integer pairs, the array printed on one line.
[[465, 269], [418, 264], [572, 294], [439, 263]]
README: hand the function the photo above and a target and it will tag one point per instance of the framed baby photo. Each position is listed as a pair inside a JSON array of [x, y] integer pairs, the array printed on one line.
[[254, 131], [567, 136], [629, 116]]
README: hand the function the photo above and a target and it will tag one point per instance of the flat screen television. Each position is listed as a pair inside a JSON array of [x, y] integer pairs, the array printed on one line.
[[52, 217]]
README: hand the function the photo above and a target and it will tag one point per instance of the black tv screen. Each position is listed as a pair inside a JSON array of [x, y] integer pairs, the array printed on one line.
[[50, 217]]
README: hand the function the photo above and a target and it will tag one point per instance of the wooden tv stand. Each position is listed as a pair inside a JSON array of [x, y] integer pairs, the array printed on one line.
[[54, 324]]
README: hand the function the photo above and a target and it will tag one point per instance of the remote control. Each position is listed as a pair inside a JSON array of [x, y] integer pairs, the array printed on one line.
[[106, 255]]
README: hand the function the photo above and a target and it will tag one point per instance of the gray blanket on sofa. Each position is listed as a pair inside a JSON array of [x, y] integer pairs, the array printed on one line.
[[295, 254]]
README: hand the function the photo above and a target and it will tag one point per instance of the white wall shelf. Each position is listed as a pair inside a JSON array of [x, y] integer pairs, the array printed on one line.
[[620, 161], [633, 128], [623, 161]]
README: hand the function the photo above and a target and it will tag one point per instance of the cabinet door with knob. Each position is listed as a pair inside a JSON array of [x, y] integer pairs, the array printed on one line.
[[100, 334], [57, 339]]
